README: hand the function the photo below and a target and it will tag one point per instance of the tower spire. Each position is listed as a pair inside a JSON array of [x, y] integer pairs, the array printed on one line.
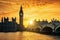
[[21, 9]]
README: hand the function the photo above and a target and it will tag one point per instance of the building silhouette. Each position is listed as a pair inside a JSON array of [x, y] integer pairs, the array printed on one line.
[[12, 26]]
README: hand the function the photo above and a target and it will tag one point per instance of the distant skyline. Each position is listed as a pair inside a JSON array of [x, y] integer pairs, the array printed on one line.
[[33, 9]]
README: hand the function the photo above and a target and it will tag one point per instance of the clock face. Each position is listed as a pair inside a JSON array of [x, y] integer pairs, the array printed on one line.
[[21, 14]]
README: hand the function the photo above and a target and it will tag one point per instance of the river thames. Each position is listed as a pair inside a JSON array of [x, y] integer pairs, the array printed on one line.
[[26, 36]]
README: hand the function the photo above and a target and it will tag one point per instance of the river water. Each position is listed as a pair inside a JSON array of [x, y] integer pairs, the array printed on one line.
[[26, 36]]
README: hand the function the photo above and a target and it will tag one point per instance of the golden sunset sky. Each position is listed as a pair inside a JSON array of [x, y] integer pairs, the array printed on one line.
[[33, 9]]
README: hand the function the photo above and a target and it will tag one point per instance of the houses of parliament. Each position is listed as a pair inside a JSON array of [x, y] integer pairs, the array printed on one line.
[[12, 26]]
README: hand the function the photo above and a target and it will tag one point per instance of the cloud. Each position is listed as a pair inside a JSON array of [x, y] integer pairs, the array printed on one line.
[[51, 1], [42, 2], [7, 6]]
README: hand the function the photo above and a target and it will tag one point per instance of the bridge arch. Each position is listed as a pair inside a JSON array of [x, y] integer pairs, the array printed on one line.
[[47, 30], [57, 29]]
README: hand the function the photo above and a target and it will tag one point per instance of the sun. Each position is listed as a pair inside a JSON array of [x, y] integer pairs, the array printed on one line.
[[31, 22]]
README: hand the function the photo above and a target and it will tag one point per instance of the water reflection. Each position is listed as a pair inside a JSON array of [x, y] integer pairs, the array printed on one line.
[[26, 36]]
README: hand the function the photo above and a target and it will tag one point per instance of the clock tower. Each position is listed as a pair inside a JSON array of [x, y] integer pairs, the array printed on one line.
[[21, 17]]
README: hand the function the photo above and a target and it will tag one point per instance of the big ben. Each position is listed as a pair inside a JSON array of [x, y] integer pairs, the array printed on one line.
[[21, 16], [21, 19]]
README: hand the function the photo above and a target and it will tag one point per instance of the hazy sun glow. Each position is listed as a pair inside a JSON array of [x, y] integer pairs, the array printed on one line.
[[31, 22]]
